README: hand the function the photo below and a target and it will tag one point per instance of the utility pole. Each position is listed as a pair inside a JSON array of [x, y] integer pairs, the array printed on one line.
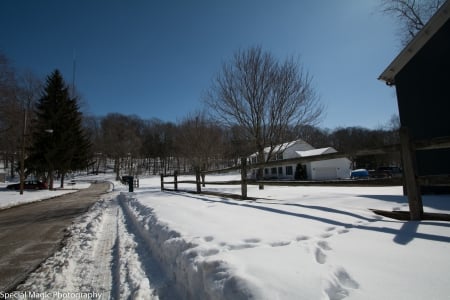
[[22, 154], [73, 72]]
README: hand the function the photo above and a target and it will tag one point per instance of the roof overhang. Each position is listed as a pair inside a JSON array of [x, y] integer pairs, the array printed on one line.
[[414, 46]]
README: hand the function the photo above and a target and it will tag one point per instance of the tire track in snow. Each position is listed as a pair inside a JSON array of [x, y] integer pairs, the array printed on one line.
[[98, 274], [129, 269]]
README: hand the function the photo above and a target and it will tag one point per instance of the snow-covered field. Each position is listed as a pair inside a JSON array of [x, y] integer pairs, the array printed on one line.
[[291, 243]]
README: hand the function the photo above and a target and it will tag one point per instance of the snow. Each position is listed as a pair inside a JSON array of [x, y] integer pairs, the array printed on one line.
[[290, 243], [10, 198], [316, 152]]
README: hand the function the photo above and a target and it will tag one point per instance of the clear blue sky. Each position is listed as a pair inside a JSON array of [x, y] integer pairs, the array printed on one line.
[[156, 58]]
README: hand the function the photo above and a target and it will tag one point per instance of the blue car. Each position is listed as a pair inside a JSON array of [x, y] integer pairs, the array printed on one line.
[[359, 174]]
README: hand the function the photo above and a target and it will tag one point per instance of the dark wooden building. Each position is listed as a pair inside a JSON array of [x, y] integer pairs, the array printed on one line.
[[421, 75]]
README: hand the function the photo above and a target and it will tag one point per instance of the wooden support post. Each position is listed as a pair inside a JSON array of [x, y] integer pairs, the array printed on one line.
[[175, 180], [197, 180], [410, 174], [203, 179], [260, 176], [243, 178], [162, 182]]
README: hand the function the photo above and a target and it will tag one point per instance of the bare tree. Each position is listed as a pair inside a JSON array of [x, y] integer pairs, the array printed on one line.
[[28, 93], [315, 136], [121, 140], [9, 114], [200, 141], [412, 15], [92, 127], [264, 97], [158, 144]]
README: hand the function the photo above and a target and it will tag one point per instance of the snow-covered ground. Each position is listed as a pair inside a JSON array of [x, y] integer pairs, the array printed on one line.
[[291, 243], [10, 198]]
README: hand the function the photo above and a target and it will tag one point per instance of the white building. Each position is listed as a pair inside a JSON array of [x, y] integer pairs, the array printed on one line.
[[327, 169]]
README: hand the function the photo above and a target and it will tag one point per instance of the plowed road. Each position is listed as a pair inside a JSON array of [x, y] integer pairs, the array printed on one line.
[[31, 233]]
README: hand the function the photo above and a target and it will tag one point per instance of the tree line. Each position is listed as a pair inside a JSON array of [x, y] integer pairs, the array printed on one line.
[[137, 146]]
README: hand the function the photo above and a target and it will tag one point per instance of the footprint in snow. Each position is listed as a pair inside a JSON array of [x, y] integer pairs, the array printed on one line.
[[319, 253], [208, 238], [302, 238], [279, 244], [340, 285], [320, 256], [252, 240], [240, 246], [324, 245], [328, 232], [345, 279], [344, 230], [209, 252], [326, 235]]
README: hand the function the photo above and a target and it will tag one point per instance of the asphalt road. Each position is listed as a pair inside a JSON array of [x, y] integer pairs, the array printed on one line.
[[30, 233]]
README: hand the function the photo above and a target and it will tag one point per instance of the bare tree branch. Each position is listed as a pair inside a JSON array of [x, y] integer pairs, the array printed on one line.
[[412, 15]]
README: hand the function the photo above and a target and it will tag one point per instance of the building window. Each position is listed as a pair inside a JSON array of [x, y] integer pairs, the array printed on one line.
[[279, 156], [280, 170], [274, 171], [289, 170], [266, 171]]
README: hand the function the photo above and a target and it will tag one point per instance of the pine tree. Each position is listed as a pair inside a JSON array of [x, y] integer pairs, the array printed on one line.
[[59, 143]]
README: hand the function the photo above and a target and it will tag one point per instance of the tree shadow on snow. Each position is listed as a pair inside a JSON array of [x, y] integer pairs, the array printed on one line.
[[403, 236], [441, 202]]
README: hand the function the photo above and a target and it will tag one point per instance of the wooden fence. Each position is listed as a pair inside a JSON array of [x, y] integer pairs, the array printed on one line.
[[410, 180], [200, 180]]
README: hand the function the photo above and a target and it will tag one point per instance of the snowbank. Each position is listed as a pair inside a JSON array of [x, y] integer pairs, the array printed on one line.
[[192, 278]]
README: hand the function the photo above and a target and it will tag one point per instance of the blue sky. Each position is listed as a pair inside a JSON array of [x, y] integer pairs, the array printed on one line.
[[156, 58]]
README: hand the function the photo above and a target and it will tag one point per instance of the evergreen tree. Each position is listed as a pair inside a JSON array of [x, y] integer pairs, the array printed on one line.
[[59, 143]]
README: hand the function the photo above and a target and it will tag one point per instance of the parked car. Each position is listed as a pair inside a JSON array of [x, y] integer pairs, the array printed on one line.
[[359, 174], [29, 185], [386, 172]]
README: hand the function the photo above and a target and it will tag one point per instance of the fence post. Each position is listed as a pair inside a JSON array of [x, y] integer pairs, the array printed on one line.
[[175, 180], [197, 180], [410, 174], [243, 178], [162, 182], [203, 179]]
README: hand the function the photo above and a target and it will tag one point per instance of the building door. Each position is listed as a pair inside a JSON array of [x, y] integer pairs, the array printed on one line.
[[325, 173]]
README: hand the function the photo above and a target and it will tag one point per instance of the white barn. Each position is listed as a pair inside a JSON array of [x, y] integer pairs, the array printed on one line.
[[327, 169]]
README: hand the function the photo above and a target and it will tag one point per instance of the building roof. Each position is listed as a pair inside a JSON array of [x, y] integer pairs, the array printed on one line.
[[282, 147], [414, 46], [316, 152]]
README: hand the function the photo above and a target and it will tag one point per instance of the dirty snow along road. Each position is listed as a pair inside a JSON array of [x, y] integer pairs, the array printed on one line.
[[30, 233]]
